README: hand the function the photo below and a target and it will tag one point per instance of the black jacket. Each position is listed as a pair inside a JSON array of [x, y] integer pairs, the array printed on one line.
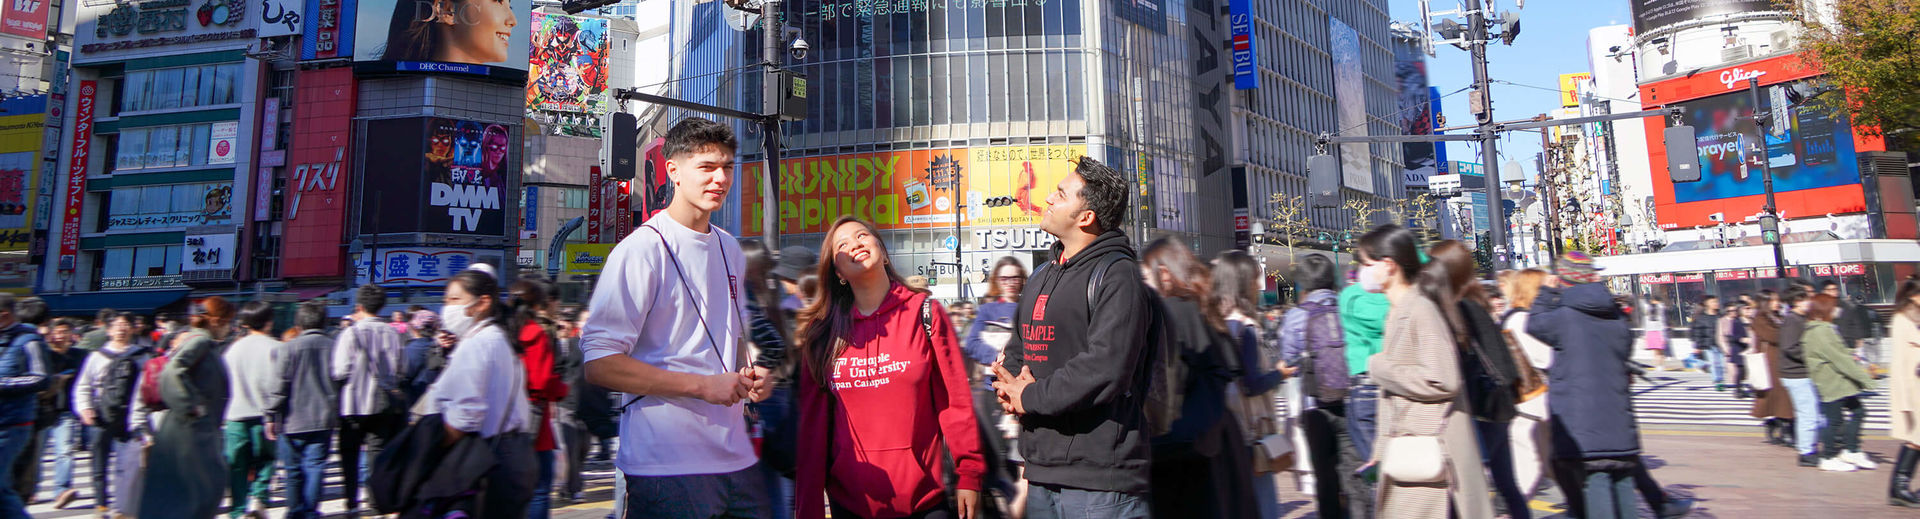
[[1856, 322], [1587, 390], [1487, 366], [1705, 331], [1793, 357], [1084, 417]]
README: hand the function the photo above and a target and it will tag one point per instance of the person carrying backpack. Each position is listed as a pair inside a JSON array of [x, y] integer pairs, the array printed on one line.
[[1313, 342], [368, 360], [1082, 358], [104, 395], [24, 374], [1200, 464]]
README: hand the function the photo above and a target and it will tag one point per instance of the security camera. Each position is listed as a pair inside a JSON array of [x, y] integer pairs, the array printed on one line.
[[1718, 217], [798, 49]]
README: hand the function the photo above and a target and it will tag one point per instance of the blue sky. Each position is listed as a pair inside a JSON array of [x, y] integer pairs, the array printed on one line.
[[1553, 41]]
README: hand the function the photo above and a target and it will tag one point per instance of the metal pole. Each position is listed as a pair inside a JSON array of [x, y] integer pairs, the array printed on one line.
[[1489, 156], [1766, 179], [959, 266], [1550, 166], [770, 29]]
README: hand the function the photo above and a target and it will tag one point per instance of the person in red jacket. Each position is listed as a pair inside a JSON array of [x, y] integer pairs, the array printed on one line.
[[532, 305], [880, 392]]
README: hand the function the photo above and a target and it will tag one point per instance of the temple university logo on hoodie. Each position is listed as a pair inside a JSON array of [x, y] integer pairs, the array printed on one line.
[[1040, 308]]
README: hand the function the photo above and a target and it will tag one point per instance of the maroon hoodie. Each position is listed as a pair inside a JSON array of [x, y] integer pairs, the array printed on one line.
[[874, 445]]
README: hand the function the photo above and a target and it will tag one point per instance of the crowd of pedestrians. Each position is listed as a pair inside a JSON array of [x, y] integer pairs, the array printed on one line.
[[1108, 382]]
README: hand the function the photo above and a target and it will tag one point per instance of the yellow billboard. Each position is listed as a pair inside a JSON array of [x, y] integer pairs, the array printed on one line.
[[586, 258], [1570, 87], [1000, 185]]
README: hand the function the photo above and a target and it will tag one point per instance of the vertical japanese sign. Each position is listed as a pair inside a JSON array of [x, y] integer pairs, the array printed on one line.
[[318, 175], [225, 137], [1246, 74], [530, 218], [593, 205], [77, 176], [623, 216], [329, 34]]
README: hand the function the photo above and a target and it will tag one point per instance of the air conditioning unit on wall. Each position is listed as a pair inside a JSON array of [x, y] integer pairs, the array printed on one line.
[[1736, 53]]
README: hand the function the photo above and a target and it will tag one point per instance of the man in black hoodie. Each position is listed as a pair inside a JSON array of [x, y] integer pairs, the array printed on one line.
[[1081, 362]]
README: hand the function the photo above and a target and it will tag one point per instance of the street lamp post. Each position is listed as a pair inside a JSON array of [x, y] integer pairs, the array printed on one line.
[[1770, 216]]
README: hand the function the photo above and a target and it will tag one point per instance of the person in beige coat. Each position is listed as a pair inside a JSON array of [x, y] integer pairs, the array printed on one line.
[[1419, 375], [1903, 339]]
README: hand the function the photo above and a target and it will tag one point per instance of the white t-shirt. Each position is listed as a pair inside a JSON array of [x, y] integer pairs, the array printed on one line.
[[641, 309]]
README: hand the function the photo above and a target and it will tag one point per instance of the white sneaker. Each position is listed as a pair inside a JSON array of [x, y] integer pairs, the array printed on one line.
[[1835, 465], [1307, 485], [1858, 459]]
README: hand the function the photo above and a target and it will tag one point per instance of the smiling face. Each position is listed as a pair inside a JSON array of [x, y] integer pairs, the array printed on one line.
[[702, 178], [478, 31], [857, 253]]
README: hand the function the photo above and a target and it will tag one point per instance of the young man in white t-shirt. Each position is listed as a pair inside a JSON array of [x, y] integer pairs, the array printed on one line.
[[666, 325]]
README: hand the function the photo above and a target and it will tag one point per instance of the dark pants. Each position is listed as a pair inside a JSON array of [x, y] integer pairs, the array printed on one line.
[[1363, 402], [1339, 490], [250, 459], [370, 431], [575, 437], [1609, 494], [102, 448], [740, 494], [13, 443], [304, 457], [1496, 452], [510, 483], [1052, 502], [1842, 433], [26, 466], [542, 499]]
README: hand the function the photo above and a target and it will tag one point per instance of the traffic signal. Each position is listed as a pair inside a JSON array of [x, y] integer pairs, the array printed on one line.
[[1769, 229], [999, 201], [1323, 180], [1683, 155], [623, 146]]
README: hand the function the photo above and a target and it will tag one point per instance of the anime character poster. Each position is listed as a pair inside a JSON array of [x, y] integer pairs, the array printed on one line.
[[467, 169], [568, 66]]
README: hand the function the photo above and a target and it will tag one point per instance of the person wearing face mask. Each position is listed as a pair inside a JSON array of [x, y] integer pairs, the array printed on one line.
[[1422, 397], [186, 469], [883, 387], [1363, 307], [483, 393]]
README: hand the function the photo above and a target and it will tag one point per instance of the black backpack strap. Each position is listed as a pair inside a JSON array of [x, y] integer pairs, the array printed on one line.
[[1093, 279]]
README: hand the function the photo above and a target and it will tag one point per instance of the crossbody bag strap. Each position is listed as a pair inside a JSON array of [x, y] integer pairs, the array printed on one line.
[[685, 288]]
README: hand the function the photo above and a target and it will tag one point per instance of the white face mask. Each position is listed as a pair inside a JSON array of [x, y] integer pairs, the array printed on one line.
[[455, 319], [1373, 279]]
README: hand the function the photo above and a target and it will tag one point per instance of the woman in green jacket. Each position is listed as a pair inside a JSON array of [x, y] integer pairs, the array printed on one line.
[[1840, 380]]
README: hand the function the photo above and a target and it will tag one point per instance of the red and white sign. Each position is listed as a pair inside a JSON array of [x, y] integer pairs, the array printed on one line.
[[318, 175], [1656, 279], [1697, 277], [24, 18], [221, 150], [1731, 275], [1847, 269], [623, 205], [594, 204], [77, 176], [270, 124]]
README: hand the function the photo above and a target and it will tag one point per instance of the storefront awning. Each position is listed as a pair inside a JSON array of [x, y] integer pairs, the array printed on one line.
[[1806, 253], [139, 302]]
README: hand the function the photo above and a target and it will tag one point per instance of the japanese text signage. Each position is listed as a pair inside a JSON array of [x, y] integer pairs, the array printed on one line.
[[318, 174], [280, 17], [329, 29], [225, 143], [24, 18], [208, 252], [913, 189], [1246, 71], [77, 175], [411, 266]]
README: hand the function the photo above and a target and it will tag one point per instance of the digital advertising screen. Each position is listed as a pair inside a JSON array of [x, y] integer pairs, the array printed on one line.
[[465, 37]]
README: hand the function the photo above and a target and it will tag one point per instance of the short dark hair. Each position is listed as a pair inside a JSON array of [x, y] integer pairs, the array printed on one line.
[[32, 311], [693, 134], [312, 315], [1105, 192], [1704, 300], [370, 297], [104, 316], [1794, 294], [1829, 283], [1315, 272], [256, 315]]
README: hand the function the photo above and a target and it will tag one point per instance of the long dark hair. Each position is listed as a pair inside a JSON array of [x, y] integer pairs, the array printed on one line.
[[481, 284], [1903, 298], [410, 38], [760, 261], [526, 304], [1395, 243], [824, 324], [1457, 261], [993, 278], [1234, 273], [1191, 279]]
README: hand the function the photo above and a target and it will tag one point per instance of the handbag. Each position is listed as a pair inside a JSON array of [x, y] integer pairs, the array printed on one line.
[[1415, 458], [1758, 371]]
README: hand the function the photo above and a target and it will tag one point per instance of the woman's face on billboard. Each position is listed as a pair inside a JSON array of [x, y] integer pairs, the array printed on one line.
[[479, 31]]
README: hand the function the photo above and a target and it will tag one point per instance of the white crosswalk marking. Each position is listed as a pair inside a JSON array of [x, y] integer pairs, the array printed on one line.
[[1687, 398]]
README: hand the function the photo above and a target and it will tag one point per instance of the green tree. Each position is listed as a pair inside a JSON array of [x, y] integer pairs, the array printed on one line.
[[1870, 50]]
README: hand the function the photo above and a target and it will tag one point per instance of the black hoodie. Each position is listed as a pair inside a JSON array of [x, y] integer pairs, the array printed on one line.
[[1084, 414]]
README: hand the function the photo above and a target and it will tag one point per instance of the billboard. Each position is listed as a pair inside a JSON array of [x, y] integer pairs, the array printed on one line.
[[318, 174], [1811, 155], [1151, 14], [437, 175], [411, 266], [24, 18], [1653, 14], [281, 17], [181, 25], [329, 26], [21, 136], [1246, 71], [912, 189], [1416, 112], [1350, 100], [586, 258], [568, 69], [467, 37], [1570, 88], [76, 192]]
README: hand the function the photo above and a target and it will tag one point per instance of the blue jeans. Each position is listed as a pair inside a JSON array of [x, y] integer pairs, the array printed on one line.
[[304, 456], [1053, 502], [1363, 402], [542, 486], [66, 437], [13, 443], [740, 494], [1806, 413], [1717, 365], [1609, 495]]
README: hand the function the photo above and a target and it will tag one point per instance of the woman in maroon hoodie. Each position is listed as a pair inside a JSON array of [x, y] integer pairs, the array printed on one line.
[[880, 394]]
